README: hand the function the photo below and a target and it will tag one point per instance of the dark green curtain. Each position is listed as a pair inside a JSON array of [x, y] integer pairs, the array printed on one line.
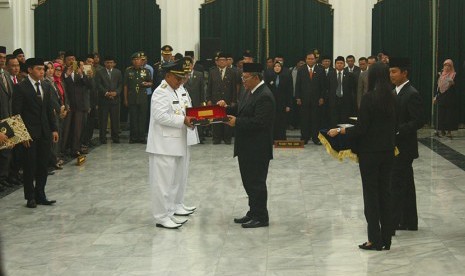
[[297, 26], [125, 27], [234, 22], [404, 29], [61, 25], [451, 43]]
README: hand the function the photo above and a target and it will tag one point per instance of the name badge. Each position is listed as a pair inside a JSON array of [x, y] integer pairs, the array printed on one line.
[[175, 102], [184, 94]]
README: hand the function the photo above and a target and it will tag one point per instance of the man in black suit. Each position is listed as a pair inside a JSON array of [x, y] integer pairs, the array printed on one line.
[[6, 91], [254, 142], [195, 85], [109, 86], [310, 94], [78, 87], [409, 110], [222, 86], [32, 100], [341, 92]]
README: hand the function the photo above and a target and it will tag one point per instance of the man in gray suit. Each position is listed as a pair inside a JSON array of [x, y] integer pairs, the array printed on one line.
[[195, 85], [362, 85], [109, 86], [222, 86], [6, 90]]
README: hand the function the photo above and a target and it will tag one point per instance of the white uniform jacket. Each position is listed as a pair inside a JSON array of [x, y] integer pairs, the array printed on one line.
[[167, 132]]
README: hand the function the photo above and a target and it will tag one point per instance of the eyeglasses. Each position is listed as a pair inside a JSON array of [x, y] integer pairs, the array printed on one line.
[[246, 79]]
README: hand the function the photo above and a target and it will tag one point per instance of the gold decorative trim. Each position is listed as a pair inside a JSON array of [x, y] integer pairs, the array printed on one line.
[[40, 2], [208, 2]]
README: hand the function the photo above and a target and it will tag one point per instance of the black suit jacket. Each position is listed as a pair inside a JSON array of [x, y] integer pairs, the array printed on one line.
[[356, 71], [254, 124], [36, 113], [283, 92], [78, 92], [374, 131], [105, 84], [5, 97], [222, 89], [309, 91], [409, 120], [196, 88], [348, 89]]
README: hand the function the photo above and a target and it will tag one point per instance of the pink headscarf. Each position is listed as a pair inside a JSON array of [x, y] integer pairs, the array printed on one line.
[[446, 80]]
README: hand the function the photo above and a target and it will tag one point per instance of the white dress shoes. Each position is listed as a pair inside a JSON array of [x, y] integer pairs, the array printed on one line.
[[168, 224], [188, 208], [182, 212], [178, 220]]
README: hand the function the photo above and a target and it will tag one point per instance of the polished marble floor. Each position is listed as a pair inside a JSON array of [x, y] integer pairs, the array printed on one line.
[[102, 222]]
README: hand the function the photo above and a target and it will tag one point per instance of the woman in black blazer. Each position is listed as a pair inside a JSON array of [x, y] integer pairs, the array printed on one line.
[[375, 136], [280, 84]]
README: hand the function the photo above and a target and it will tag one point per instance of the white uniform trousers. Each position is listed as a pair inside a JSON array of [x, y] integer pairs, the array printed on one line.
[[165, 174], [179, 199]]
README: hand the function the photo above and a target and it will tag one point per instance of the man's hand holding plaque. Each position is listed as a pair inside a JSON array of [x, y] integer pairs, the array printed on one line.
[[188, 122]]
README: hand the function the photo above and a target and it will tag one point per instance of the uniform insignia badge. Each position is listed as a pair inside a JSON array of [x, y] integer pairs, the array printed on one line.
[[175, 102], [164, 85], [143, 74]]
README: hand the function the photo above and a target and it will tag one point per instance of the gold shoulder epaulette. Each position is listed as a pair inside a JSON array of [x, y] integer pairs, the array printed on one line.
[[164, 85]]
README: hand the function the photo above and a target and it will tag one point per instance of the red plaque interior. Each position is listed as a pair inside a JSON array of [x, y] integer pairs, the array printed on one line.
[[208, 114]]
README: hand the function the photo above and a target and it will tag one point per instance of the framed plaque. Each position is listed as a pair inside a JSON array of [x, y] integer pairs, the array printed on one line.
[[205, 115]]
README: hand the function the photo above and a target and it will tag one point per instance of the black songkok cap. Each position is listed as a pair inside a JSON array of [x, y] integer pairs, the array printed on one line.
[[247, 53], [108, 58], [18, 51], [189, 54], [400, 62], [31, 62], [252, 68], [69, 53], [2, 50]]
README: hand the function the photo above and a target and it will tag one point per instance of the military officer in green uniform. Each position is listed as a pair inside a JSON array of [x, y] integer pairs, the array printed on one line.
[[159, 74], [136, 80]]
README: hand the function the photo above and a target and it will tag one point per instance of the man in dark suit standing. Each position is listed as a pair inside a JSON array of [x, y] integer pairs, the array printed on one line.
[[6, 91], [195, 85], [109, 86], [254, 142], [222, 86], [310, 94], [32, 100], [409, 110], [341, 92]]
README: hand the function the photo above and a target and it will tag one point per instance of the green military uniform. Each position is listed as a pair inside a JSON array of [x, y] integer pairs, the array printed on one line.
[[137, 100], [158, 71]]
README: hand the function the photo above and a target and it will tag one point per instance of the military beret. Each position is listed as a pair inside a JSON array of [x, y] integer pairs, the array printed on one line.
[[400, 62], [136, 55], [252, 68], [31, 62], [189, 54], [166, 50], [2, 50], [142, 54], [340, 58], [18, 51], [176, 67]]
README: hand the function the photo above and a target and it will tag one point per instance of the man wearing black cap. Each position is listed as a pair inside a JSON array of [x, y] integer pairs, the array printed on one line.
[[341, 92], [109, 86], [253, 121], [159, 73], [6, 91], [167, 146], [19, 54], [221, 86], [409, 120], [32, 100]]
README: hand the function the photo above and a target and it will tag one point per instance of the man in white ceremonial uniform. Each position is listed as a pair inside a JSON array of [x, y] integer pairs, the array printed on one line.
[[192, 139], [167, 145]]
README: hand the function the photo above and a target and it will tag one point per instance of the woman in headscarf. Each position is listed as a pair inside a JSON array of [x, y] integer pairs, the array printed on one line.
[[446, 100], [63, 117], [280, 83]]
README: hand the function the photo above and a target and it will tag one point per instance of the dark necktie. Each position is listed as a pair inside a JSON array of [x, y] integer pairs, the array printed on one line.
[[311, 73], [221, 72], [109, 74], [339, 85], [277, 81], [38, 90]]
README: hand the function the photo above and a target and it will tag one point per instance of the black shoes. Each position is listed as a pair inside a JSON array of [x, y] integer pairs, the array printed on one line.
[[31, 203], [316, 142], [371, 246], [244, 219], [45, 201], [406, 227], [254, 224]]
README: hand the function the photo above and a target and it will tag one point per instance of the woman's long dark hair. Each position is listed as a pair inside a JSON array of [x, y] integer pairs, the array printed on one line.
[[380, 88]]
